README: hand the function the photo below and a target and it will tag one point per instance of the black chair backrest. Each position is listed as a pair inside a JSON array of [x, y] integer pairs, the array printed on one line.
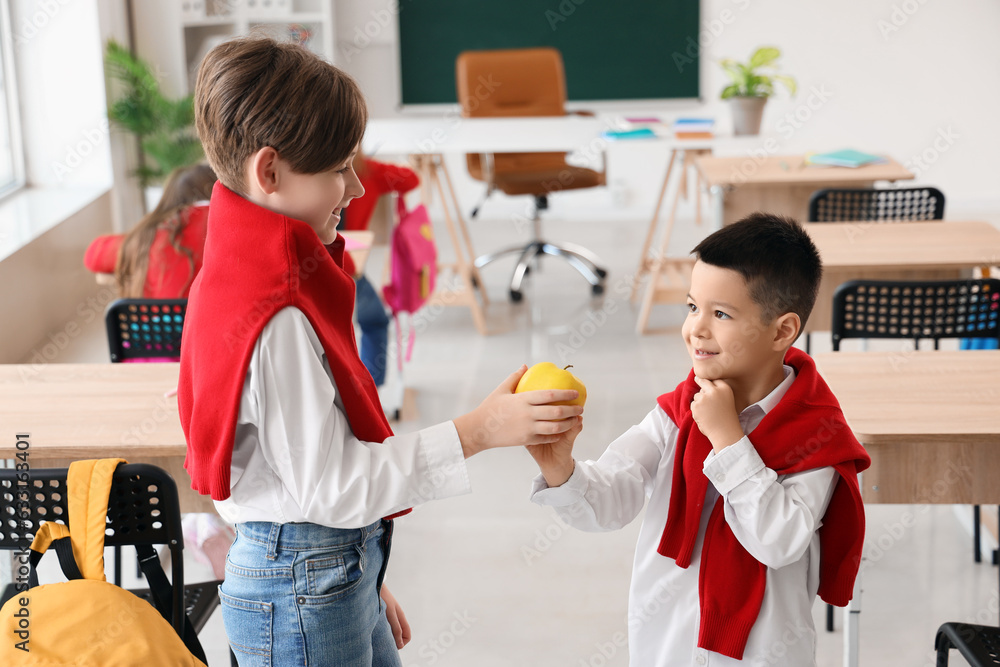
[[144, 328], [916, 309], [899, 204], [142, 509]]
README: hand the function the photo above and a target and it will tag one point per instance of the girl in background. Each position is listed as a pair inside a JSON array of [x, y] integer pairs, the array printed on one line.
[[158, 259]]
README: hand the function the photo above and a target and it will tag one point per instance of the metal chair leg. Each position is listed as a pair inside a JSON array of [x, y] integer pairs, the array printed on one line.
[[977, 554]]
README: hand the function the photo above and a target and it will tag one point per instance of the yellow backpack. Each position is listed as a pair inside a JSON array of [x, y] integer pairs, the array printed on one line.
[[87, 621]]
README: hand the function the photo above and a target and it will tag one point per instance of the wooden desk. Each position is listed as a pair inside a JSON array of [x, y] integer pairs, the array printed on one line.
[[85, 411], [860, 250], [929, 421], [780, 183], [897, 251]]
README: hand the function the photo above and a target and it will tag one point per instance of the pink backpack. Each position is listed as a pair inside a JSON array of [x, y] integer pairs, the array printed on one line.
[[413, 264]]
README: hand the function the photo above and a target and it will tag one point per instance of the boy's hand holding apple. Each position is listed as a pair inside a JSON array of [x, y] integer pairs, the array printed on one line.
[[555, 459], [508, 419]]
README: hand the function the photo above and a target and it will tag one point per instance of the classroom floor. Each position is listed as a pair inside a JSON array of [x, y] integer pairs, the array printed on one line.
[[490, 579]]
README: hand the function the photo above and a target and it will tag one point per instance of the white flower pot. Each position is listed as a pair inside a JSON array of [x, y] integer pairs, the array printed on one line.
[[747, 114]]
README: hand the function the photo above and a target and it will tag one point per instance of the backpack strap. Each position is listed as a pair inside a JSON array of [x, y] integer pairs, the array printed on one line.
[[55, 535], [88, 486], [160, 590]]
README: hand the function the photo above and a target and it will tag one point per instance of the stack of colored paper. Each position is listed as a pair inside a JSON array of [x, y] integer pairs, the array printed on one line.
[[693, 128], [845, 158]]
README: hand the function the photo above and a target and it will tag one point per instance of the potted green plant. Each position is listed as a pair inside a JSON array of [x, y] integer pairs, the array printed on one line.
[[164, 127], [753, 83]]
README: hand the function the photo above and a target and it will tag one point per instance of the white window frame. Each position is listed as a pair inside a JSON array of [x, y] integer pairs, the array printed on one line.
[[12, 103]]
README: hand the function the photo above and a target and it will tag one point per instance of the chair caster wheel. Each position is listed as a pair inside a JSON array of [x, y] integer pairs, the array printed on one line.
[[527, 270], [515, 296], [396, 415], [601, 272], [597, 290]]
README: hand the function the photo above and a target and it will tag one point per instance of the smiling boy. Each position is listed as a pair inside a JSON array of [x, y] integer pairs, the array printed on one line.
[[748, 465]]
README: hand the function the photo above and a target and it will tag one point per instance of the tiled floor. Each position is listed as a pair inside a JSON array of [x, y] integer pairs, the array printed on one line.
[[490, 579]]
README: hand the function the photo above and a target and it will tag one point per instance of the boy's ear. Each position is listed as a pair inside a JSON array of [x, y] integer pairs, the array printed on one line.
[[786, 330], [264, 170]]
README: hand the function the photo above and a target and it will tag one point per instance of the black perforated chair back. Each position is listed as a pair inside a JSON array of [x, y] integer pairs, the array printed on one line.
[[896, 205], [144, 328], [142, 509], [916, 309]]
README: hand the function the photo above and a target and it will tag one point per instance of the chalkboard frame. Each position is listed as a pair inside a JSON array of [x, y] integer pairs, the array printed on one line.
[[638, 63]]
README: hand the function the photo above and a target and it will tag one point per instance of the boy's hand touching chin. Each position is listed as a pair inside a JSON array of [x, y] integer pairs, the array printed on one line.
[[714, 411]]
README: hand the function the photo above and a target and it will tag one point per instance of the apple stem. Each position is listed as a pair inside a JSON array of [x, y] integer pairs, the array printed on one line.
[[567, 367]]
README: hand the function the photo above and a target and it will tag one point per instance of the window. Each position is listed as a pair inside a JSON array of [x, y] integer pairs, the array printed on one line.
[[11, 155]]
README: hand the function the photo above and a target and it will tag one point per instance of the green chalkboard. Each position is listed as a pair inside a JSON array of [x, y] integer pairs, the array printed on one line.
[[612, 49]]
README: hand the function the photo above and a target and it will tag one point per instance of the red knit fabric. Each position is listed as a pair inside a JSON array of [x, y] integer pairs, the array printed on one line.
[[378, 179], [169, 274], [806, 430], [256, 263]]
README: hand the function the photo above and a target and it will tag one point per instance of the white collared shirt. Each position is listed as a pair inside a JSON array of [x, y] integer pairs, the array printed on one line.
[[774, 518], [295, 458]]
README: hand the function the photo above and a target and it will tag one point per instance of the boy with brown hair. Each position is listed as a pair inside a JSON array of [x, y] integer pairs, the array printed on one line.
[[749, 467], [283, 422]]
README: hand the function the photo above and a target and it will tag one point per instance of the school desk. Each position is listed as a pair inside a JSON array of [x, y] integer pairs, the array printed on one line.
[[929, 421], [780, 183], [84, 411], [860, 250]]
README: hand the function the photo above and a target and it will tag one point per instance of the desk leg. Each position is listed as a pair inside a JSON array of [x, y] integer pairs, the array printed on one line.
[[465, 270], [718, 195], [649, 298], [644, 260], [479, 285], [852, 623]]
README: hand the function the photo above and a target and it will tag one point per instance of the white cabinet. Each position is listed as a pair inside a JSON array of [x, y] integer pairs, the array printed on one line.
[[175, 35]]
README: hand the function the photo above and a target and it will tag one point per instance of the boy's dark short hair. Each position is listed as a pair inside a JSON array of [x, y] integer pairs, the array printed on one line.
[[254, 92], [777, 259]]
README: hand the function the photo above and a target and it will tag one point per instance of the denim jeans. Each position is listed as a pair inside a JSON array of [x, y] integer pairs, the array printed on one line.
[[374, 329], [303, 594]]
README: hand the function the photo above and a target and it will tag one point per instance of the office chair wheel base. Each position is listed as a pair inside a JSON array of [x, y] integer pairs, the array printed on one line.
[[516, 296], [601, 272], [597, 289]]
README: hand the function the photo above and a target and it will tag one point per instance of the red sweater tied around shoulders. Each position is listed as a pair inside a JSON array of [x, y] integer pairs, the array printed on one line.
[[256, 263], [806, 430]]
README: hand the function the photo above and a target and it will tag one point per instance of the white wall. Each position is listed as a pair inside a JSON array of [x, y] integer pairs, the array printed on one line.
[[916, 79]]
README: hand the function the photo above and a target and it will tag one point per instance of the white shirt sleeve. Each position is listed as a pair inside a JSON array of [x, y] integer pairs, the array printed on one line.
[[609, 493], [774, 518], [297, 457]]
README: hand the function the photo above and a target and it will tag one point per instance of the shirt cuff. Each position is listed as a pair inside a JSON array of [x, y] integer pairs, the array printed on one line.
[[446, 473], [733, 465], [570, 492]]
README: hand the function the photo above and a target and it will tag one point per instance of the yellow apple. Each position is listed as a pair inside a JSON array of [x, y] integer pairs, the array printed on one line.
[[546, 375]]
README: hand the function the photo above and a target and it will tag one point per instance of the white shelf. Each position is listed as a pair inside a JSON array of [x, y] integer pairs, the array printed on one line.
[[303, 17], [175, 43]]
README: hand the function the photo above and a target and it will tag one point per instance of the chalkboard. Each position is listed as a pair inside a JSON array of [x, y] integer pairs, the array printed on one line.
[[612, 49]]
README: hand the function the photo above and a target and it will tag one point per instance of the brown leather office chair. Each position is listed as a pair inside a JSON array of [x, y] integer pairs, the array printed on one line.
[[531, 83]]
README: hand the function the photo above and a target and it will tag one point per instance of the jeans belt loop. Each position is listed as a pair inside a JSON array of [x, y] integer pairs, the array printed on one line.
[[272, 541]]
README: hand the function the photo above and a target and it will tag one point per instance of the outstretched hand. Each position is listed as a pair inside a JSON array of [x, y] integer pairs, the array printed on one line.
[[714, 411], [506, 419], [555, 459]]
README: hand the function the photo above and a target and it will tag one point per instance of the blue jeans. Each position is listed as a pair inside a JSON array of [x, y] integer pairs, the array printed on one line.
[[374, 329], [304, 594]]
